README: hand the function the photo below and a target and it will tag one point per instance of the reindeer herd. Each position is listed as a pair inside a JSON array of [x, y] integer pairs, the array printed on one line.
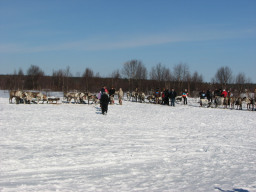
[[80, 97], [229, 102], [142, 98], [28, 97], [217, 102]]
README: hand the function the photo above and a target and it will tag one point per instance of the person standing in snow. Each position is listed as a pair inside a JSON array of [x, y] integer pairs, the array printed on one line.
[[104, 100], [157, 95], [106, 90], [172, 96], [185, 97], [166, 97], [163, 97], [112, 95], [209, 95], [120, 96]]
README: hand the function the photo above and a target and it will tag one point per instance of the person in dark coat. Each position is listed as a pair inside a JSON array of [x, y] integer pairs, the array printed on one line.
[[111, 95], [112, 91], [104, 100], [209, 95], [172, 96], [102, 90], [166, 97]]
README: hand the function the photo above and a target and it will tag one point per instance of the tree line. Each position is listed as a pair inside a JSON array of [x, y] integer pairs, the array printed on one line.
[[133, 75]]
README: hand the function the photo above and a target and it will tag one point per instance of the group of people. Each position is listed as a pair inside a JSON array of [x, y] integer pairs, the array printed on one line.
[[107, 97], [166, 95], [213, 94], [171, 96]]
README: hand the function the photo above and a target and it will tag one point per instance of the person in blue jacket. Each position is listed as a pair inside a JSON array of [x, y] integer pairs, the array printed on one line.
[[185, 97]]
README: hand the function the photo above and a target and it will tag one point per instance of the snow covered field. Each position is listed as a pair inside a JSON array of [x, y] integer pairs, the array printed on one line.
[[136, 147]]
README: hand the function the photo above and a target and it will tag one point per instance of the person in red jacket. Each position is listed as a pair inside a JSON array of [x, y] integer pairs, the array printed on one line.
[[224, 93]]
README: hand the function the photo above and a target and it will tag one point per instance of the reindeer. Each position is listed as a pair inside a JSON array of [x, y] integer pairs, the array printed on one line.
[[151, 98], [250, 102], [82, 96], [128, 95], [94, 99], [41, 97], [30, 96], [134, 95], [141, 97], [232, 102], [111, 99], [72, 95], [90, 97], [219, 101], [178, 98], [253, 104], [239, 103], [38, 96], [158, 100], [17, 95], [204, 103], [225, 102]]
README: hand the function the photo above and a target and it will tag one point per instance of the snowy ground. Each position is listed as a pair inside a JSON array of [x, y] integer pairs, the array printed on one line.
[[135, 147]]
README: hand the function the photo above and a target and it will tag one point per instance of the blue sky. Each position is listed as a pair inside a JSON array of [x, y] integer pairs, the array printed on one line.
[[104, 34]]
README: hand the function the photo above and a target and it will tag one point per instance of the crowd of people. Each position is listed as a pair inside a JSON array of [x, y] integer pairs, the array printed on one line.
[[106, 97], [171, 96], [167, 97]]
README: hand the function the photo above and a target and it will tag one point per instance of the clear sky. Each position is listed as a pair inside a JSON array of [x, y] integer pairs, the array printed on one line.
[[104, 34]]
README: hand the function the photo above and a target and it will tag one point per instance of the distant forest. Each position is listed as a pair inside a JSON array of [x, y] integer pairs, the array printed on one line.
[[132, 75]]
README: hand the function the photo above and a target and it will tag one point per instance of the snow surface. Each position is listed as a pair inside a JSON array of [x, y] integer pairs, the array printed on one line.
[[135, 147]]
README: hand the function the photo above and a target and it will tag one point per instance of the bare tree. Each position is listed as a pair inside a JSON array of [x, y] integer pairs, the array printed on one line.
[[241, 82], [141, 72], [161, 74], [223, 76], [58, 79], [34, 73], [197, 78], [67, 76], [61, 79], [97, 75], [115, 76], [141, 75], [87, 77], [129, 69], [157, 72], [196, 81], [20, 72], [134, 70], [181, 74], [21, 79], [167, 78]]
